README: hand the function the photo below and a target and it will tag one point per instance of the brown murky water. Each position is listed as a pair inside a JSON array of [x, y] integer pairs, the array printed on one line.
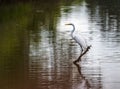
[[37, 51]]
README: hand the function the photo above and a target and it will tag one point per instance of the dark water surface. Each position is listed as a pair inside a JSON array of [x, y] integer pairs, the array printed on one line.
[[37, 51]]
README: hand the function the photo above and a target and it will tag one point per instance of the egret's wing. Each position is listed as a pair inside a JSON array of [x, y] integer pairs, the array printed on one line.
[[80, 40]]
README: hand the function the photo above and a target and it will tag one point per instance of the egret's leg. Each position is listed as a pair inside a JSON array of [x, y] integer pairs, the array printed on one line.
[[82, 50]]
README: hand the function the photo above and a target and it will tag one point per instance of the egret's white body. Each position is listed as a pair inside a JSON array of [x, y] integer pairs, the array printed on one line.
[[79, 38]]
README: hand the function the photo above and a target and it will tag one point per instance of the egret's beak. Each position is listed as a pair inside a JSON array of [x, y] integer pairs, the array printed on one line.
[[68, 24]]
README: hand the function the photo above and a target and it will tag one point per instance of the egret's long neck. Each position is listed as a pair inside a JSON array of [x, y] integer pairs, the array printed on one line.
[[73, 29]]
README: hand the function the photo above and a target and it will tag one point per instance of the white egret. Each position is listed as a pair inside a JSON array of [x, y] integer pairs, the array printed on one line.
[[80, 40]]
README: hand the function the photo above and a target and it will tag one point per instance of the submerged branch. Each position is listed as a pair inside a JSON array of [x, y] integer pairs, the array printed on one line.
[[79, 58]]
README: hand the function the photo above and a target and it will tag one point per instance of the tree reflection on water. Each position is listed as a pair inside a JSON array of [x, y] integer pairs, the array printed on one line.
[[36, 51]]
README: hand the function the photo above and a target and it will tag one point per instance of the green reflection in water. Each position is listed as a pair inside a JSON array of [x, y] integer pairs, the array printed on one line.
[[17, 20], [14, 19]]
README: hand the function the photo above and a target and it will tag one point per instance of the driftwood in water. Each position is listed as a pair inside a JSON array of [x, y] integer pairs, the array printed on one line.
[[79, 58]]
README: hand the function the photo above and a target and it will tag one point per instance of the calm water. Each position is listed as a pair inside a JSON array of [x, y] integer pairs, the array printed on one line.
[[37, 51]]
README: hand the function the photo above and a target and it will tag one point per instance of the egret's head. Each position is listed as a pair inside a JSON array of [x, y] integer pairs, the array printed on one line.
[[71, 25]]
